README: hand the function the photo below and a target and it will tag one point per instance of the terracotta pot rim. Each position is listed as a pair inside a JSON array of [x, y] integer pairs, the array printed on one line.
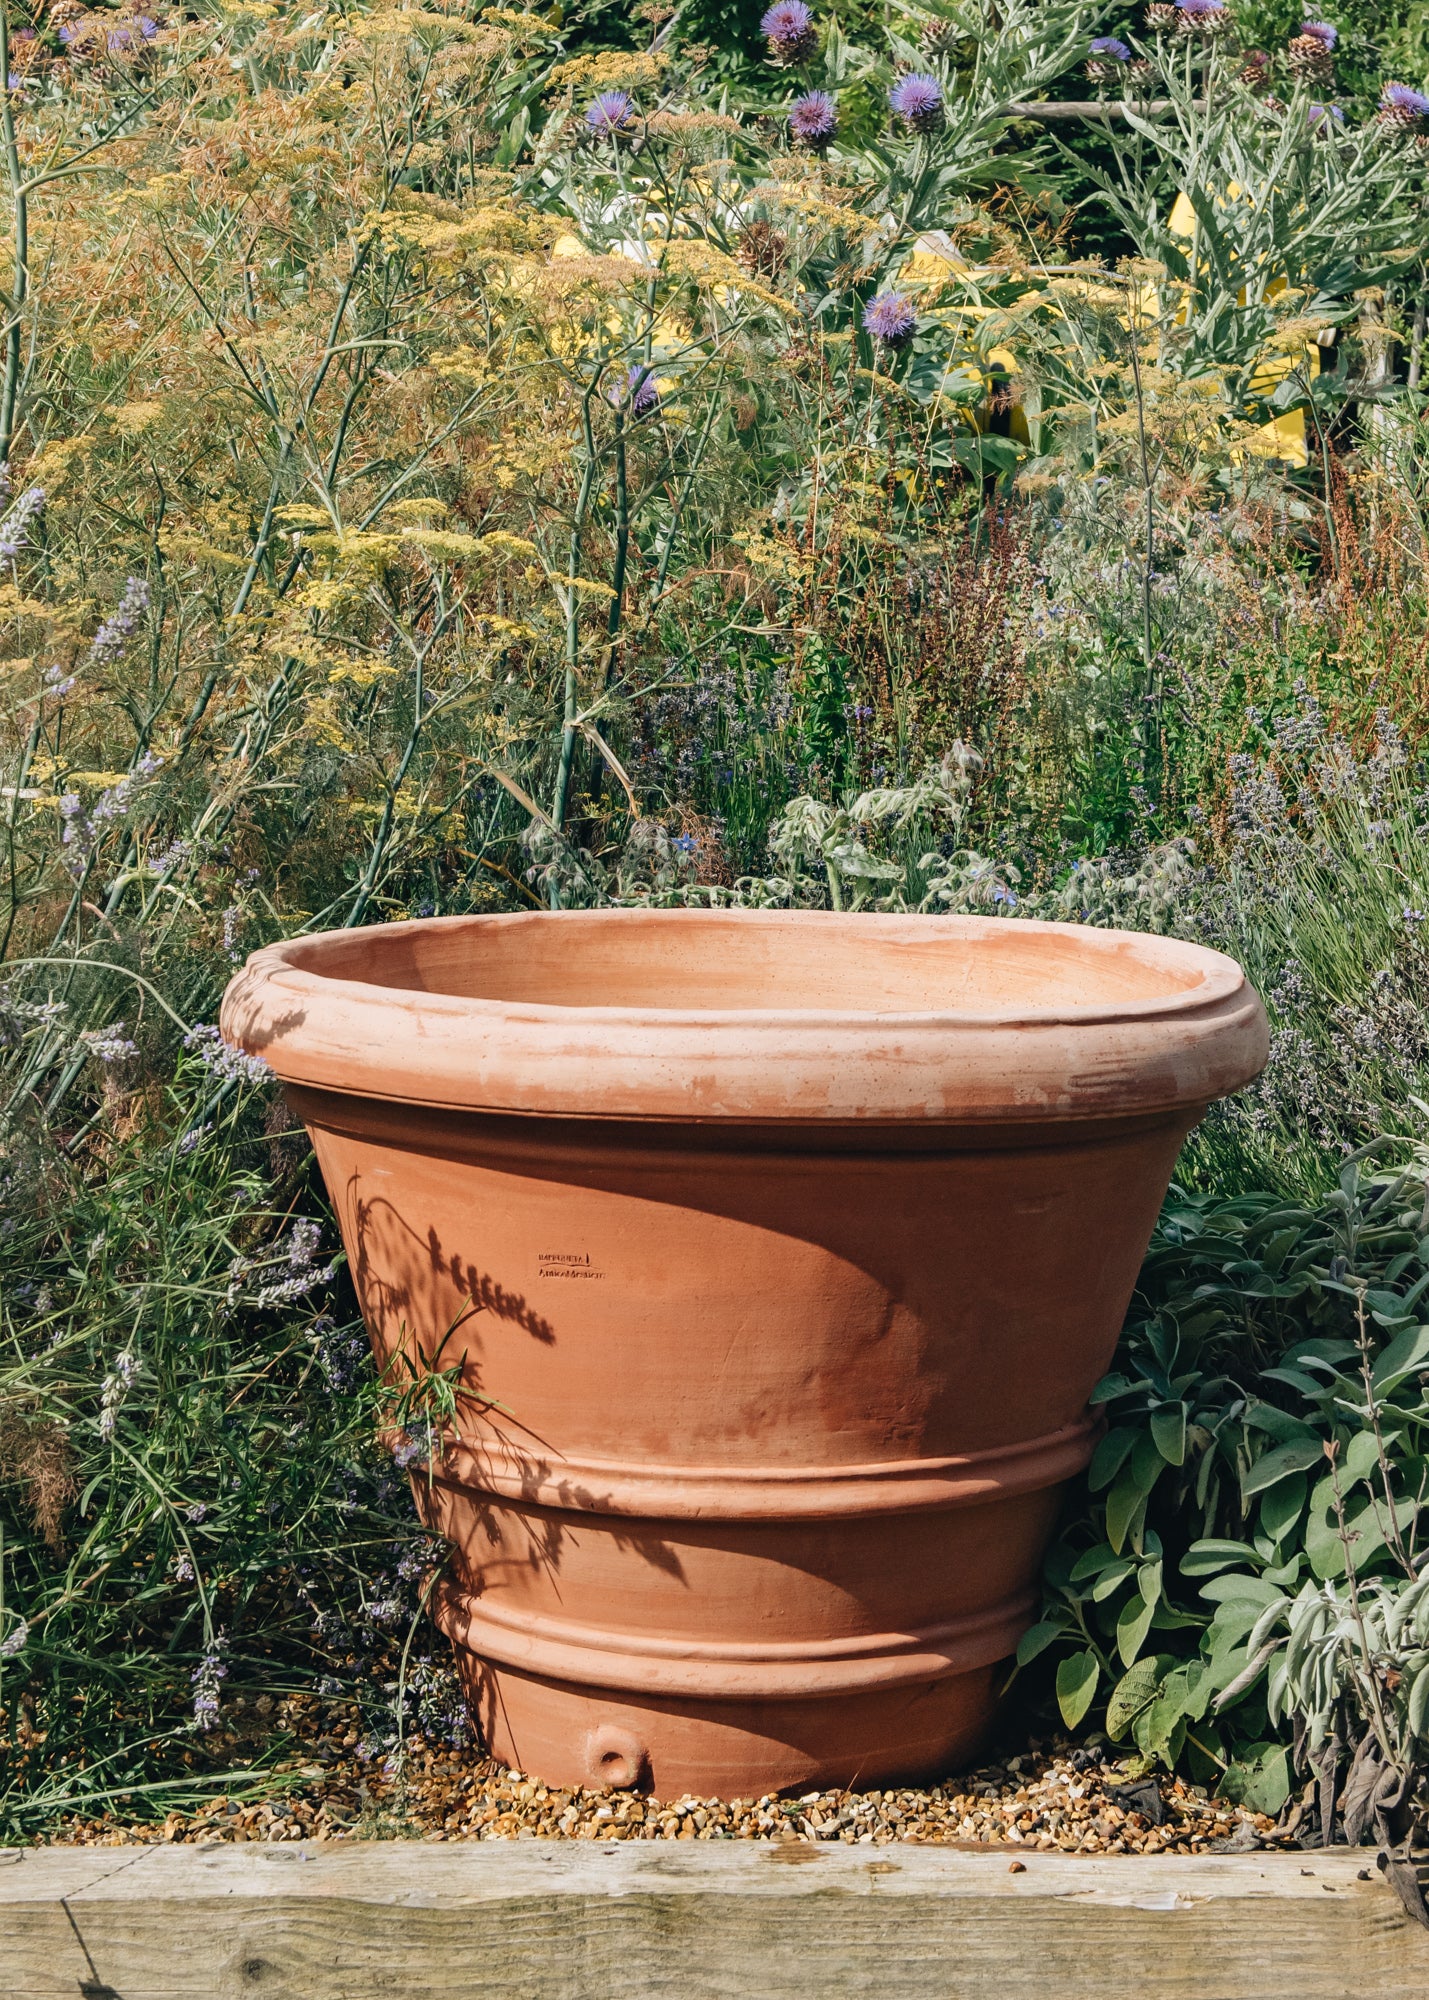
[[718, 1670], [1166, 1052], [1221, 978], [770, 1493]]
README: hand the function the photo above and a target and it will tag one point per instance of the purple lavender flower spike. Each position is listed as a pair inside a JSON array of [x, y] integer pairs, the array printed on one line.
[[609, 113], [918, 101], [120, 626], [788, 28], [15, 528], [891, 320], [813, 120]]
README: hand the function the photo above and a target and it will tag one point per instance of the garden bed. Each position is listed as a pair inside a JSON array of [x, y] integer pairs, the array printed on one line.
[[1070, 1803]]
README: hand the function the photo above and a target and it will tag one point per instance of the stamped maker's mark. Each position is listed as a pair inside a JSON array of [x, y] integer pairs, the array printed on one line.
[[566, 1264]]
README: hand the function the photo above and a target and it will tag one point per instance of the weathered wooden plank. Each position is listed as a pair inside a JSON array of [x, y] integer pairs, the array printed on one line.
[[539, 1920]]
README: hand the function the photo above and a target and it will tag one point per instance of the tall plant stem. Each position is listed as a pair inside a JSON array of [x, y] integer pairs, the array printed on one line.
[[569, 708], [1148, 564], [20, 281]]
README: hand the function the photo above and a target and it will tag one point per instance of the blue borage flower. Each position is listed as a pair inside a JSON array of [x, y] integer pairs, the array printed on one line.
[[918, 101], [891, 320]]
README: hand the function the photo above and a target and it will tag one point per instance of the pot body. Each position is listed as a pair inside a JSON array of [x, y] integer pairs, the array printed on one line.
[[764, 1417]]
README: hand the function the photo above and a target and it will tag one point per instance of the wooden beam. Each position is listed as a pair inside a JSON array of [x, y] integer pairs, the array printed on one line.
[[575, 1920]]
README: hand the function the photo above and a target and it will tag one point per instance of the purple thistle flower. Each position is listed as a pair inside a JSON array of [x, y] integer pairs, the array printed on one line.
[[891, 320], [788, 27], [636, 392], [1315, 112], [1108, 45], [1401, 100], [609, 113], [814, 119], [1201, 10], [918, 101], [1322, 32]]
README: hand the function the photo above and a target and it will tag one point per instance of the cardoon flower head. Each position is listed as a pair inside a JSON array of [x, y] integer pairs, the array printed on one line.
[[1398, 105], [788, 27], [891, 320], [1322, 32], [636, 391], [609, 113], [813, 119], [1202, 17], [1108, 45], [918, 101]]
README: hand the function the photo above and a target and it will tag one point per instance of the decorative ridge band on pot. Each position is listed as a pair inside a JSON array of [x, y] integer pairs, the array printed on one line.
[[715, 1670], [441, 1013], [776, 1493]]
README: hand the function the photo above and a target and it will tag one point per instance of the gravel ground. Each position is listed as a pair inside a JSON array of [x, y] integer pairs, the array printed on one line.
[[1060, 1800]]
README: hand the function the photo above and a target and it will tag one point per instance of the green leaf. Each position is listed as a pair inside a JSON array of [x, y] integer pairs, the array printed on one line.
[[1362, 1456], [1419, 1704], [1077, 1678], [1270, 1787], [1133, 1692], [1133, 1622], [1109, 1457], [1039, 1639], [1281, 1506], [1281, 1462], [1405, 1354], [1252, 1589], [1205, 1558], [1123, 1504], [1112, 1578], [1093, 1562], [1168, 1427]]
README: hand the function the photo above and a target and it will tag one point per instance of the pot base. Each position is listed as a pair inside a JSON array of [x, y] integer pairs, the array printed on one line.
[[578, 1736]]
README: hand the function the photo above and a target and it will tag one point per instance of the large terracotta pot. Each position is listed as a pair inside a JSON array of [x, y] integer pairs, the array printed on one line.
[[791, 1246]]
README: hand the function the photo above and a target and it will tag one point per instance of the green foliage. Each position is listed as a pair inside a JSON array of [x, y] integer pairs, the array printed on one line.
[[1262, 1481]]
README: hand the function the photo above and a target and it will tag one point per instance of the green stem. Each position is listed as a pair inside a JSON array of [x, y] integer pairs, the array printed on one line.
[[20, 287]]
